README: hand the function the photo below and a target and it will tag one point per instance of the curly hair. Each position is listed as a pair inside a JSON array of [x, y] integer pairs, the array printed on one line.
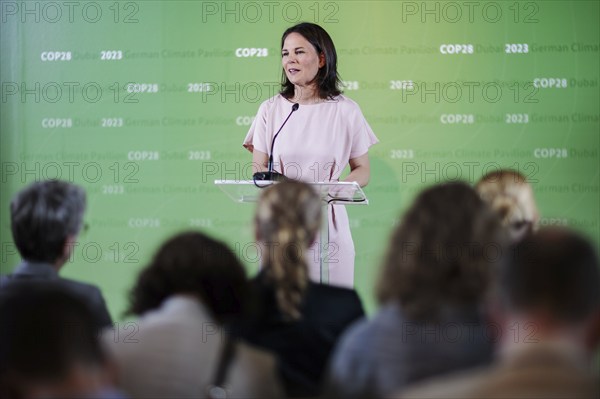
[[287, 219], [192, 263], [327, 79], [509, 194], [442, 252]]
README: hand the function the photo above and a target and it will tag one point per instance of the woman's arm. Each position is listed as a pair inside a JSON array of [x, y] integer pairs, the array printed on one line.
[[260, 161], [360, 170]]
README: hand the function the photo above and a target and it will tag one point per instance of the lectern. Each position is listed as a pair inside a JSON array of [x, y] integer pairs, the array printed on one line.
[[331, 193]]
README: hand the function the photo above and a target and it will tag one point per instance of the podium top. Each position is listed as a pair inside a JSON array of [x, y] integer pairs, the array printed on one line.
[[341, 193]]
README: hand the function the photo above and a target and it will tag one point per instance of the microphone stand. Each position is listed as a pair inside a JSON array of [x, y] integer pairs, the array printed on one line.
[[270, 174]]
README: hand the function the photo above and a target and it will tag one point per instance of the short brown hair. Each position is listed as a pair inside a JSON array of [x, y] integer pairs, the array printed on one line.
[[555, 271]]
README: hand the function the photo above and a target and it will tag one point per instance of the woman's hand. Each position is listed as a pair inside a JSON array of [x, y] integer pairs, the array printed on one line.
[[360, 170], [260, 161]]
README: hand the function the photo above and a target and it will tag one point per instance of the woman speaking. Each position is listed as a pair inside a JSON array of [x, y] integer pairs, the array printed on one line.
[[323, 134]]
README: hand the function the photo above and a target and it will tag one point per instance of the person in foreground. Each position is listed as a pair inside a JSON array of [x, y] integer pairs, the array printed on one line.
[[295, 318], [549, 307], [46, 218], [509, 194], [49, 347], [431, 291], [327, 133], [178, 347]]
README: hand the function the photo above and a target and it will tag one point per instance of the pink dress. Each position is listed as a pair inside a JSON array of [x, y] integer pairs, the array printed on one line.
[[315, 146]]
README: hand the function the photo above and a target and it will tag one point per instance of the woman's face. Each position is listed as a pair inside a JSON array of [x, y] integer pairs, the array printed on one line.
[[300, 60]]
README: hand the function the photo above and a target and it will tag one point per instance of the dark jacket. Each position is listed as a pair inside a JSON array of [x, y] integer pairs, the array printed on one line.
[[302, 347], [34, 273]]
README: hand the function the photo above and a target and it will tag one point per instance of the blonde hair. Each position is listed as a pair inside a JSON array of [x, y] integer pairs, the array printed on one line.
[[287, 219], [509, 194]]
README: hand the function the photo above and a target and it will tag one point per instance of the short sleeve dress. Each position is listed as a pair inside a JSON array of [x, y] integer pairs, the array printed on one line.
[[315, 146]]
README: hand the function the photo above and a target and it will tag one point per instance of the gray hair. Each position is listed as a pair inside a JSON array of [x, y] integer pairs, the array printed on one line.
[[43, 215]]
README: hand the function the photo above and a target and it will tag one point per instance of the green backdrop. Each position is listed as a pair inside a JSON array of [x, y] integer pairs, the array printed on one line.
[[146, 103]]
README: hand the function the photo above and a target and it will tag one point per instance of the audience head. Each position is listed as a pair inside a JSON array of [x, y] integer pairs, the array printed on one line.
[[442, 252], [554, 277], [511, 197], [192, 263], [288, 216], [45, 218], [49, 344]]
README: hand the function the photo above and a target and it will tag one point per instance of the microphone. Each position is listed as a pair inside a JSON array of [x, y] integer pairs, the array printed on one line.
[[270, 174]]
